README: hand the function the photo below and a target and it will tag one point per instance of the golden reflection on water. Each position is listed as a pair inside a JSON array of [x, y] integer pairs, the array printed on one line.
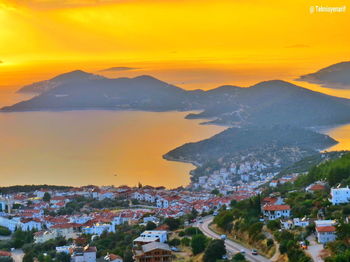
[[96, 147], [342, 135]]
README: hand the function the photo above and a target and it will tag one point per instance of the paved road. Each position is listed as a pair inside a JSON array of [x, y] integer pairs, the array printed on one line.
[[314, 249], [231, 247]]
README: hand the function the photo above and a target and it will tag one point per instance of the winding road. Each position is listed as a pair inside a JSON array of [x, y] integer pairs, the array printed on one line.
[[231, 247]]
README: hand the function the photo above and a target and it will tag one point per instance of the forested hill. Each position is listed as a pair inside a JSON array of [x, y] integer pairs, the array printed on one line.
[[288, 143], [333, 172]]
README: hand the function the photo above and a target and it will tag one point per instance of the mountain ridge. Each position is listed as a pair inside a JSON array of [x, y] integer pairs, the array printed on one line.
[[335, 76], [265, 103]]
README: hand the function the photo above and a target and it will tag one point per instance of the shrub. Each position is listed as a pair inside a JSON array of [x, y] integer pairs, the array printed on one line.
[[174, 242], [182, 233], [239, 257], [150, 225], [269, 242], [4, 231], [190, 231], [186, 241], [273, 225]]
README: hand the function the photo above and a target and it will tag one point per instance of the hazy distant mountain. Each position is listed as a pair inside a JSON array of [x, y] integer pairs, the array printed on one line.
[[46, 85], [78, 90], [267, 103], [276, 102], [334, 76]]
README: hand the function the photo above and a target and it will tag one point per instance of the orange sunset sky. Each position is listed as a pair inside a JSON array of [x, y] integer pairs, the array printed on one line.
[[190, 43]]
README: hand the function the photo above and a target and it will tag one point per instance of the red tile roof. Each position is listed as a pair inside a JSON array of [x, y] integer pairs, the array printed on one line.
[[270, 200], [58, 198], [276, 207], [5, 254], [317, 187], [66, 225], [326, 229], [90, 249], [113, 257]]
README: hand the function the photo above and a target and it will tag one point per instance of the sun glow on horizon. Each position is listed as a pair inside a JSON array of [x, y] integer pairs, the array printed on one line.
[[47, 37]]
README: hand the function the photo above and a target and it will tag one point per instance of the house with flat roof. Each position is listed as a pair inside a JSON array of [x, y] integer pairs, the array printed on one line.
[[340, 195]]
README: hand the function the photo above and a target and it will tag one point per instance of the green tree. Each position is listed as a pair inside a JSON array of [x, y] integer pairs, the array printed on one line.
[[173, 223], [20, 238], [174, 242], [193, 214], [273, 225], [28, 257], [4, 231], [128, 256], [198, 244], [150, 225], [47, 197], [190, 231], [62, 257], [224, 219], [215, 250], [185, 241], [269, 242], [343, 231], [215, 191], [239, 257], [6, 259]]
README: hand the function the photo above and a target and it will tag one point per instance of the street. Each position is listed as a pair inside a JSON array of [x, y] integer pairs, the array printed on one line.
[[231, 247]]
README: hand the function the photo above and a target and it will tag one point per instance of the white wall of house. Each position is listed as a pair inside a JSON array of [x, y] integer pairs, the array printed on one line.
[[98, 229], [340, 195], [325, 237], [162, 235]]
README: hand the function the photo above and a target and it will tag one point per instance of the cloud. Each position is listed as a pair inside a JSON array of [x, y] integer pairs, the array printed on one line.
[[298, 46], [118, 68]]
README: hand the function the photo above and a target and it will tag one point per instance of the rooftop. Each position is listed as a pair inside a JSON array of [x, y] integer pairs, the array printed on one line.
[[155, 245], [326, 229]]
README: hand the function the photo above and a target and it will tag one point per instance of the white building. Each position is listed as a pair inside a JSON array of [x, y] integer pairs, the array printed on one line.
[[86, 254], [28, 224], [63, 249], [152, 236], [273, 183], [202, 180], [286, 224], [273, 212], [25, 224], [340, 195], [325, 231], [162, 202], [326, 234], [325, 223], [304, 222], [98, 229], [151, 219], [11, 224]]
